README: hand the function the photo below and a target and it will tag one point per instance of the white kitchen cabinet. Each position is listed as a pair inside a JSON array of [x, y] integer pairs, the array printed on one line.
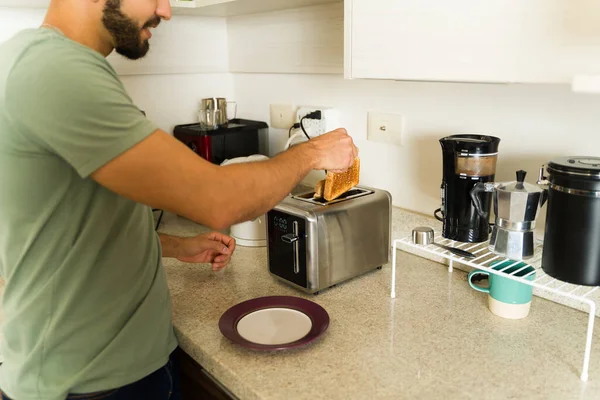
[[541, 41], [227, 8]]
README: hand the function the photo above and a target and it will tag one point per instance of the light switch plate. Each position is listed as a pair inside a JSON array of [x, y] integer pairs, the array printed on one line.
[[386, 128], [283, 116]]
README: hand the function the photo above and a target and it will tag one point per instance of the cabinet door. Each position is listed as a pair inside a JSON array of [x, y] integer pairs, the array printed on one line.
[[529, 41], [197, 383], [459, 40]]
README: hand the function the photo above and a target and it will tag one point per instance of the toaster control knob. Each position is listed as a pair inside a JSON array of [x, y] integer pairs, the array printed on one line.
[[290, 238]]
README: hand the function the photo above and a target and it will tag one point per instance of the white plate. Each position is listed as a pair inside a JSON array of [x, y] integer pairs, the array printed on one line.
[[274, 326]]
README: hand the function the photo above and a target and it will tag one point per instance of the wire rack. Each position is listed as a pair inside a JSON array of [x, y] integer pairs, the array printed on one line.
[[483, 260]]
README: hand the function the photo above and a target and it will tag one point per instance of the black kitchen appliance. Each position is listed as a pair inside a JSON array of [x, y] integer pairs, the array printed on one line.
[[468, 159], [572, 236], [240, 138]]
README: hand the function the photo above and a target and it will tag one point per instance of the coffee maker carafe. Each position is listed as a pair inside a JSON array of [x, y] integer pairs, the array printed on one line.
[[468, 159], [516, 205]]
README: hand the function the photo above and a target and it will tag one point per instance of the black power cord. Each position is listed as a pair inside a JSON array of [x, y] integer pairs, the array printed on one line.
[[302, 127], [312, 115], [159, 217]]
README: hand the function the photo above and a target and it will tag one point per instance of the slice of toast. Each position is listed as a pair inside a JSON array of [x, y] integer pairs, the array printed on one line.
[[336, 184], [319, 189]]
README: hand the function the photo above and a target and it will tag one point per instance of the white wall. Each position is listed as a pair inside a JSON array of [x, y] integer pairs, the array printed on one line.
[[194, 49], [535, 123], [182, 45], [13, 20], [170, 100], [188, 60]]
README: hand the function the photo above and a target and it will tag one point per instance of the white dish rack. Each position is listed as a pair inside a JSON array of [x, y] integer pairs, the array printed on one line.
[[483, 260]]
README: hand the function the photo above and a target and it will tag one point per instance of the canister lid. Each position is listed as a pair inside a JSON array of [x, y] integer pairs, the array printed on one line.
[[471, 144], [580, 166]]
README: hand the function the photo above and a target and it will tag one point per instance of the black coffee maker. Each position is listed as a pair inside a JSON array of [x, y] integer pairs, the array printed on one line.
[[240, 138], [467, 160]]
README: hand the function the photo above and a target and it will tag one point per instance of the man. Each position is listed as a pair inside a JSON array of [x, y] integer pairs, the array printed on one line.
[[86, 305]]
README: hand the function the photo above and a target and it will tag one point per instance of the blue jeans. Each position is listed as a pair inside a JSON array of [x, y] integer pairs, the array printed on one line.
[[162, 384]]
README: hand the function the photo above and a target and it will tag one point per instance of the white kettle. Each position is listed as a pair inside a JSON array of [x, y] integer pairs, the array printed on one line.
[[250, 233]]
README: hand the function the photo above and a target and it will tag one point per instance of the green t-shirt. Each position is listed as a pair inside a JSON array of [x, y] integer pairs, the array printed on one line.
[[86, 304]]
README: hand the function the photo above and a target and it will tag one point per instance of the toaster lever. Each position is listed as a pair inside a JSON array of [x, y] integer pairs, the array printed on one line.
[[290, 238]]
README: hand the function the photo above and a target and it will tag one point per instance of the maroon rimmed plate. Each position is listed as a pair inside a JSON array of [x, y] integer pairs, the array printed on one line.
[[274, 323]]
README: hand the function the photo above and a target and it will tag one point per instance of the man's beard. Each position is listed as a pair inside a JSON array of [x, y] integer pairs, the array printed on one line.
[[125, 31]]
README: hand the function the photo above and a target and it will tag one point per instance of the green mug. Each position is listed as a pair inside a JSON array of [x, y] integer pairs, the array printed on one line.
[[507, 298]]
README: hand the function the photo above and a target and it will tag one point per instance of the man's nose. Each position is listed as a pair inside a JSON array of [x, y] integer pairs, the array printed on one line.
[[164, 9]]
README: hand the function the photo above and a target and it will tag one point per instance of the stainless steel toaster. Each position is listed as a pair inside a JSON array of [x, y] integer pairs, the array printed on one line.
[[314, 244]]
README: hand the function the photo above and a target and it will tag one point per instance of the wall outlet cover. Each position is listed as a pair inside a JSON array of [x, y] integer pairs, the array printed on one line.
[[330, 120], [283, 116], [386, 128]]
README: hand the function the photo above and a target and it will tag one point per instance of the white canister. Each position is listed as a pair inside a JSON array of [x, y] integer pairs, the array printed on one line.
[[250, 233]]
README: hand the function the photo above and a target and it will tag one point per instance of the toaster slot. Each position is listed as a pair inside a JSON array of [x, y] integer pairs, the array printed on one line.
[[350, 194]]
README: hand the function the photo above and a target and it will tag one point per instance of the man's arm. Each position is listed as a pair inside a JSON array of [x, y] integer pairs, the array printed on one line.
[[171, 246], [163, 173], [214, 248]]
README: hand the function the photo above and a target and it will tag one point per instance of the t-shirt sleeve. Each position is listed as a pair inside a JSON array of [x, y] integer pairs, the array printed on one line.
[[72, 103]]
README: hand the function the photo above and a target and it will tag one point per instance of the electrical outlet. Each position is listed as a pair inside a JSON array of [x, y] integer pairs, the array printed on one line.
[[386, 128], [283, 116], [329, 121]]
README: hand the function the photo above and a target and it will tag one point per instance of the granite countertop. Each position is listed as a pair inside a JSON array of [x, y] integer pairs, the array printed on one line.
[[436, 339]]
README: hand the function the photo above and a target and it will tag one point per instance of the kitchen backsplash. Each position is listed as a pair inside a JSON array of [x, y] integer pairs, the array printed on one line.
[[170, 100], [535, 123]]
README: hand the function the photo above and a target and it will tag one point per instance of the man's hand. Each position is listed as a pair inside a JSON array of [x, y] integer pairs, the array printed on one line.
[[214, 248], [334, 151]]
